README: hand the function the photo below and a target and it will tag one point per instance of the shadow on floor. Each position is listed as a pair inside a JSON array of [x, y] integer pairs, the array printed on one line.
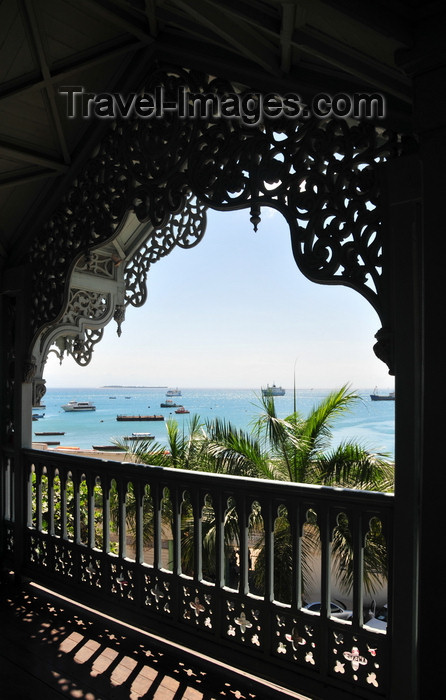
[[50, 649]]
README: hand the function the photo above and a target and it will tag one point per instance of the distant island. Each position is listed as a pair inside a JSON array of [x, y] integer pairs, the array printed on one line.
[[128, 386]]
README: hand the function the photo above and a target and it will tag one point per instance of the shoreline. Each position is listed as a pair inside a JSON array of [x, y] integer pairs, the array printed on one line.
[[115, 456]]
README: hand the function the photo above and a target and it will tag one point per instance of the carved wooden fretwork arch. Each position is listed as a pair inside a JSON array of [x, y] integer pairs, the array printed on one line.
[[322, 175], [105, 281]]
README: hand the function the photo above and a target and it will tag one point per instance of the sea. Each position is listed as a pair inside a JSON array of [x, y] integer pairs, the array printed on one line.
[[372, 423]]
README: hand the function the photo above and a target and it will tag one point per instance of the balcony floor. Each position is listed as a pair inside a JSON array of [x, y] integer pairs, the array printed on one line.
[[52, 649]]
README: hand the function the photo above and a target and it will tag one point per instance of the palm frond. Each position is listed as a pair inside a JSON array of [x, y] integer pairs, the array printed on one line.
[[145, 452], [232, 451], [320, 421], [350, 465], [296, 449], [375, 557]]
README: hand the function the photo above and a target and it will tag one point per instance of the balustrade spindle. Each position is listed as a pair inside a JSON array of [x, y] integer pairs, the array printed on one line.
[[38, 492], [176, 499], [296, 525], [91, 480], [29, 515], [50, 493], [122, 510], [157, 506], [359, 526], [220, 562], [244, 509], [106, 487], [76, 509], [268, 525], [139, 521], [197, 508], [63, 506], [6, 484], [231, 612], [325, 530]]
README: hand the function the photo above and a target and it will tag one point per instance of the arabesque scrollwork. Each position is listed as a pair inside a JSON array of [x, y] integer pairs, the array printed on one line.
[[321, 174]]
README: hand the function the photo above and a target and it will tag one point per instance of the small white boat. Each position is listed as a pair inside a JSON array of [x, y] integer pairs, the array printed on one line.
[[79, 406], [173, 392], [139, 436]]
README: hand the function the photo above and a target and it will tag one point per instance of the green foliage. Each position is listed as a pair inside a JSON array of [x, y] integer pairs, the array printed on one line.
[[71, 504], [295, 449], [298, 449]]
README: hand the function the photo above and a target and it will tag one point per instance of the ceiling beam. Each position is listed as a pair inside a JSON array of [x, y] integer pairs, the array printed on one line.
[[32, 28], [289, 11], [306, 39], [118, 18], [152, 17], [305, 80], [248, 41], [352, 62], [389, 19], [395, 25], [266, 17], [22, 155], [71, 68], [25, 179]]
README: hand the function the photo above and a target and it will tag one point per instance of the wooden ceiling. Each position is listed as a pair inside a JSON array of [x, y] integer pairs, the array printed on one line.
[[108, 45]]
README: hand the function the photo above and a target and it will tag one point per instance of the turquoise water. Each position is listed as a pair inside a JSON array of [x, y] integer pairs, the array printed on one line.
[[370, 422]]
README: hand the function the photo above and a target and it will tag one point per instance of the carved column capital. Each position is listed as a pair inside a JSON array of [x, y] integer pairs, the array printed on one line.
[[39, 391], [29, 370], [384, 349]]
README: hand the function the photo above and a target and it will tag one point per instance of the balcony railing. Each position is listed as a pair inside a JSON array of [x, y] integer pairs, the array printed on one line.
[[217, 563]]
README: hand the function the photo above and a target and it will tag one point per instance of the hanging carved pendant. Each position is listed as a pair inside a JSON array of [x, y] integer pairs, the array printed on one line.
[[321, 174]]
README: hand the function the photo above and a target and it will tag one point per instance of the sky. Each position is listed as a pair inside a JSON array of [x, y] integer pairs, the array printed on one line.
[[236, 312]]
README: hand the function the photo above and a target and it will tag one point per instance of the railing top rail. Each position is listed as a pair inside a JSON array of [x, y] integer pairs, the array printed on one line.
[[132, 472]]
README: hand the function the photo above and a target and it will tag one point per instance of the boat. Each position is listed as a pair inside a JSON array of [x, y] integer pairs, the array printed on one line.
[[50, 433], [273, 390], [181, 409], [135, 418], [36, 416], [46, 442], [78, 406], [108, 448], [139, 436], [382, 397], [112, 397], [169, 404], [173, 392]]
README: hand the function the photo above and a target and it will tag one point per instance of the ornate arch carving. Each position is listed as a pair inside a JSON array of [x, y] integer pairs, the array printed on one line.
[[322, 175], [105, 281]]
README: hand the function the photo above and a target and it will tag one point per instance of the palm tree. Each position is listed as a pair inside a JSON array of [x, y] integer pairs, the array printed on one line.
[[298, 449], [188, 449], [183, 451]]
